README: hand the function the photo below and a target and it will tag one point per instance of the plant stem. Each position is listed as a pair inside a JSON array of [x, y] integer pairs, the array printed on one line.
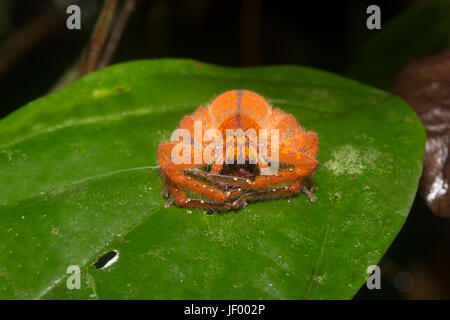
[[101, 31], [117, 32]]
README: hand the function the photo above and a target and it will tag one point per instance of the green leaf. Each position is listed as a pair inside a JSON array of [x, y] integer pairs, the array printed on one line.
[[420, 31], [78, 179]]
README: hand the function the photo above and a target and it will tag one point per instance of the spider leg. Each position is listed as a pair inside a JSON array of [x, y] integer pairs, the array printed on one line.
[[165, 192], [302, 165], [272, 194], [224, 181], [177, 181], [308, 192], [180, 198], [215, 197], [169, 202], [280, 177], [308, 188]]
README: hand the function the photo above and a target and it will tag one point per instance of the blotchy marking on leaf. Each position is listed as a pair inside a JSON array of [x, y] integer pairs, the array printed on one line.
[[335, 196], [350, 160], [267, 282], [371, 257], [13, 155], [100, 93], [320, 278], [177, 273]]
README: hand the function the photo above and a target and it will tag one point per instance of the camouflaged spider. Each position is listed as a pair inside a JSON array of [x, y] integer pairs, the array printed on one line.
[[221, 186]]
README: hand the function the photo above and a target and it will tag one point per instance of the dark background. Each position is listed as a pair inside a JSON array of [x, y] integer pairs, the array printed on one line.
[[36, 49]]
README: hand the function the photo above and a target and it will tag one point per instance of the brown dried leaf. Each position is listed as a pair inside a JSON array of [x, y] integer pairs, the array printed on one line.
[[425, 85]]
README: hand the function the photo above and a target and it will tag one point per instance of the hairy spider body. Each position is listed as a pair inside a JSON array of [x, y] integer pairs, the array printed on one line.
[[223, 185]]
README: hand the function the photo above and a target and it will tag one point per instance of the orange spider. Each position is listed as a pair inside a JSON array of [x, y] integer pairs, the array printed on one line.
[[223, 185]]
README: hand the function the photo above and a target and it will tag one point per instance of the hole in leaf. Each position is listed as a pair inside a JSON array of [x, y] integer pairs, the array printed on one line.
[[106, 260]]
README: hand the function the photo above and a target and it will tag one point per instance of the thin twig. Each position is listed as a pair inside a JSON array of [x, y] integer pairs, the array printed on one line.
[[101, 31], [117, 32]]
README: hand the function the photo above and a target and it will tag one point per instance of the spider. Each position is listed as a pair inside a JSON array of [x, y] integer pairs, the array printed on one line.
[[222, 186]]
